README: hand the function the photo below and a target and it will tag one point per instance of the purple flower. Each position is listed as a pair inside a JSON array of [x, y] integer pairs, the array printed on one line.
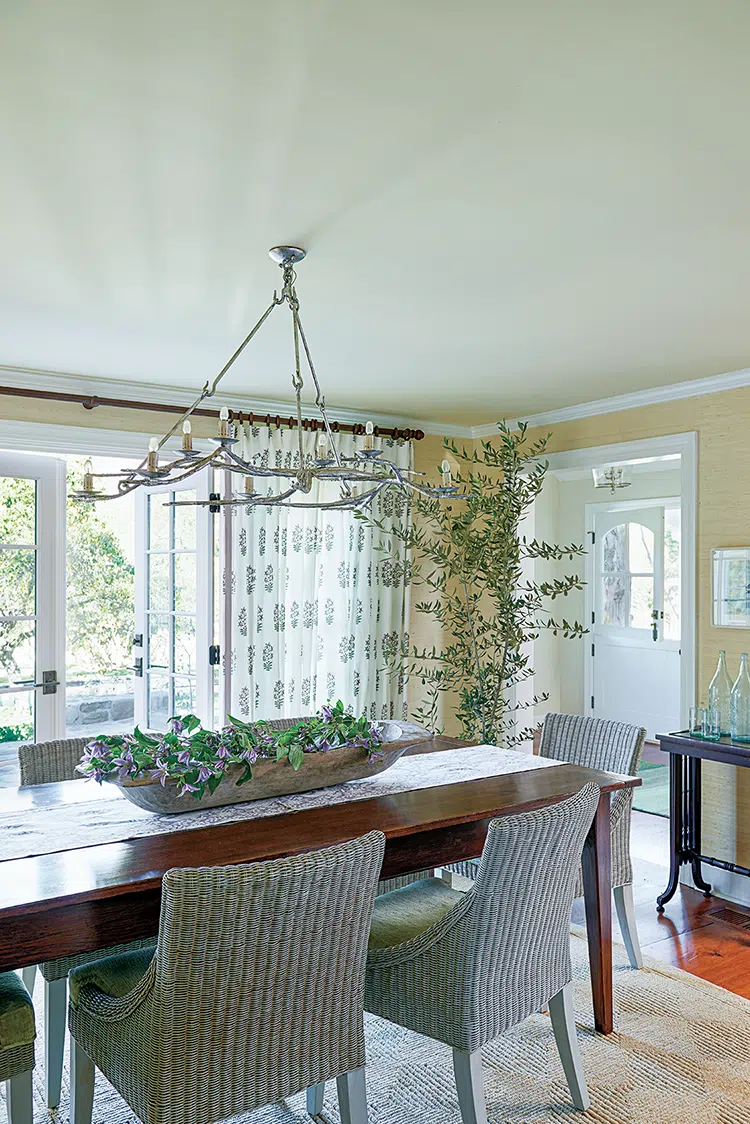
[[204, 773], [184, 757], [326, 713], [249, 755], [160, 773], [222, 752], [178, 727], [324, 745], [187, 788]]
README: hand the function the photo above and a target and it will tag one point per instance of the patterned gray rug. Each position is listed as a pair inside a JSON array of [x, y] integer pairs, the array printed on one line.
[[680, 1055]]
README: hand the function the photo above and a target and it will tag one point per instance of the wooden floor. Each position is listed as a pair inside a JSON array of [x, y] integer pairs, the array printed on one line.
[[709, 937]]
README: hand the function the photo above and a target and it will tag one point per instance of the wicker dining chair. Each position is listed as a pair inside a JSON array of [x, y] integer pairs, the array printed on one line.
[[253, 992], [48, 763], [463, 968], [17, 1034], [615, 747]]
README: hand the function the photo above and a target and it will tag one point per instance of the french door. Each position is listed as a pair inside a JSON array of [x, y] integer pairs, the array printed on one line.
[[32, 597], [175, 658], [634, 572]]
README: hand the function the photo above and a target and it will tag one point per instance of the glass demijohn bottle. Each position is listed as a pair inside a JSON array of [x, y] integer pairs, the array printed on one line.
[[739, 704], [719, 691]]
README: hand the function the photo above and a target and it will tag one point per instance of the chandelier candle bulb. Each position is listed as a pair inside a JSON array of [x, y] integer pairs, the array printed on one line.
[[369, 439], [249, 486], [152, 461], [223, 422], [88, 476], [187, 440], [446, 471]]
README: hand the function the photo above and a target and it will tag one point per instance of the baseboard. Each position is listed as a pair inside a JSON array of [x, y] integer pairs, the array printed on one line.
[[724, 884]]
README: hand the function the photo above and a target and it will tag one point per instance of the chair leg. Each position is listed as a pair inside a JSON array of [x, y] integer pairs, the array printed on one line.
[[315, 1095], [626, 917], [470, 1086], [55, 1014], [81, 1084], [19, 1099], [564, 1027], [352, 1097], [28, 975]]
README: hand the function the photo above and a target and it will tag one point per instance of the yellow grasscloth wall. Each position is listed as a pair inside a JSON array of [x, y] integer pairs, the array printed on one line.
[[722, 422]]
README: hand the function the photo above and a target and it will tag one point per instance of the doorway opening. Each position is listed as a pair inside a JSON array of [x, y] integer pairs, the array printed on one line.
[[636, 662], [633, 576]]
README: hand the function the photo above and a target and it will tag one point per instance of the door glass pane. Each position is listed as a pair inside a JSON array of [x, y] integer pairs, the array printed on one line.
[[158, 640], [17, 583], [159, 522], [614, 549], [157, 707], [184, 523], [613, 601], [672, 629], [17, 652], [184, 696], [100, 555], [17, 510], [17, 717], [158, 581], [184, 645], [641, 602], [640, 549], [184, 583]]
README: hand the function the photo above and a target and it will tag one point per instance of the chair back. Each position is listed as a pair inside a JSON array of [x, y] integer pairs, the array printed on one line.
[[597, 743], [49, 762], [259, 976], [506, 947]]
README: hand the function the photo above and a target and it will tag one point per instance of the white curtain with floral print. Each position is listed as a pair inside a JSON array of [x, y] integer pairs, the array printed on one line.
[[316, 608]]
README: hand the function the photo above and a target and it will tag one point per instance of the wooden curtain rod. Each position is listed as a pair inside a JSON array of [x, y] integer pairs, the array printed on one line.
[[90, 402]]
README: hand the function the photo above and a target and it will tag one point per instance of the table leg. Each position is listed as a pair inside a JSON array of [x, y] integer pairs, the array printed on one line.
[[676, 827], [597, 889], [694, 821]]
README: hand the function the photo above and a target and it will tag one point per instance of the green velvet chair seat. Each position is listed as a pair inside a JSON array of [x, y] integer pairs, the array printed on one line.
[[115, 976], [16, 1013], [403, 914]]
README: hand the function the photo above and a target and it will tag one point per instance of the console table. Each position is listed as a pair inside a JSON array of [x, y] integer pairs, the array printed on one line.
[[685, 756]]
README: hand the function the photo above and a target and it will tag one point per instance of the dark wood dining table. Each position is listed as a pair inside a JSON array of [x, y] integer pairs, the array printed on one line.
[[79, 899]]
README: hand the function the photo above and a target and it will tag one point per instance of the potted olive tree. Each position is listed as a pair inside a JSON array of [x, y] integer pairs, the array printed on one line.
[[471, 560]]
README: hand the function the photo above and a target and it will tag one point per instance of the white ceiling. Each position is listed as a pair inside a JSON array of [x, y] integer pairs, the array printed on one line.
[[508, 207]]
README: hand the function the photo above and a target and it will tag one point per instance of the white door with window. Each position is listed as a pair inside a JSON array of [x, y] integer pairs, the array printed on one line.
[[634, 579], [32, 597], [175, 657]]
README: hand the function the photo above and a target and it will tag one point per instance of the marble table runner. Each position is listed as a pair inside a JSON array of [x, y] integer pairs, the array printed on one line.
[[41, 830]]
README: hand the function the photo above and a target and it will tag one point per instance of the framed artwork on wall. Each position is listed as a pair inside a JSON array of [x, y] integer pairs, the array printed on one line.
[[730, 582]]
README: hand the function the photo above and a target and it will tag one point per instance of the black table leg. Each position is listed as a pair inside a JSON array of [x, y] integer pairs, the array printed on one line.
[[694, 824], [676, 826]]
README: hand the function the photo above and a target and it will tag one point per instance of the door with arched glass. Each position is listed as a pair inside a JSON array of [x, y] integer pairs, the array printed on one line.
[[635, 648]]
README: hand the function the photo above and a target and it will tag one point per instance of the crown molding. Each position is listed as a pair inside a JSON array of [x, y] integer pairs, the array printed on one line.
[[694, 388], [27, 378]]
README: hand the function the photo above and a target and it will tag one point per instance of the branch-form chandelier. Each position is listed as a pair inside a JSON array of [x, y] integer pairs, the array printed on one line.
[[360, 477]]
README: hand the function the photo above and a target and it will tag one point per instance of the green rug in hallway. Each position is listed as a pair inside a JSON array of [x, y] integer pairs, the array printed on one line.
[[653, 795]]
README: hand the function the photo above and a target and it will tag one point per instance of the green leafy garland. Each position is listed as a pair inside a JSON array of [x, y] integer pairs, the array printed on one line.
[[196, 759]]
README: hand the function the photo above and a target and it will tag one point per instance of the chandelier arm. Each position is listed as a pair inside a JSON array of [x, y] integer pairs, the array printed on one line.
[[297, 381], [276, 301], [320, 401]]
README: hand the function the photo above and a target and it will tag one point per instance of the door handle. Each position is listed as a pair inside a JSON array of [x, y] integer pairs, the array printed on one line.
[[49, 684], [655, 624]]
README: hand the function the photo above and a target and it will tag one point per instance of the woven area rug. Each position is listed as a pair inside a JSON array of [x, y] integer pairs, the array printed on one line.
[[680, 1055]]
